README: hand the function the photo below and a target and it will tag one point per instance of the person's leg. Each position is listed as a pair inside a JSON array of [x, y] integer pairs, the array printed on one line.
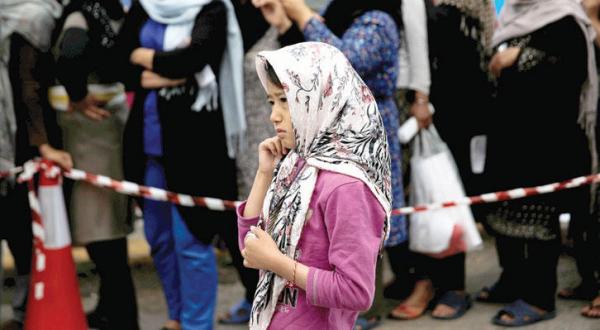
[[159, 234], [539, 273], [584, 244], [198, 276], [228, 232], [422, 293], [510, 258], [401, 264], [449, 279], [19, 241], [117, 301]]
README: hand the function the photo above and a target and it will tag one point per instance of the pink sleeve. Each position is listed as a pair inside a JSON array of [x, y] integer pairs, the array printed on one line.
[[244, 224], [354, 220]]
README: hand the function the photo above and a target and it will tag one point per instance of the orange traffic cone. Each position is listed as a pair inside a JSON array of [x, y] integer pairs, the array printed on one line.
[[54, 301]]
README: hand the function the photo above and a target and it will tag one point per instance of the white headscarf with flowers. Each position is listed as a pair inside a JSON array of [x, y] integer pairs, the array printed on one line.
[[337, 128]]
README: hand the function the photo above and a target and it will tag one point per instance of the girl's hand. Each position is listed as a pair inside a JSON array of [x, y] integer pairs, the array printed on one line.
[[270, 151], [151, 80], [60, 157], [260, 250], [143, 57], [274, 14], [504, 59], [298, 11]]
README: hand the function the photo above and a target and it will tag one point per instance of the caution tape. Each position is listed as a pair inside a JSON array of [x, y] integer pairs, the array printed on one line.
[[133, 189]]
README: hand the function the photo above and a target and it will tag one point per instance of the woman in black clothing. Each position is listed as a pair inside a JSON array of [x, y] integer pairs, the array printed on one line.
[[92, 133], [544, 132], [183, 105], [27, 126], [460, 33]]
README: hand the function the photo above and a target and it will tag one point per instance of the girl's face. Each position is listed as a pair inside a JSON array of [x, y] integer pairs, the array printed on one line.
[[280, 115]]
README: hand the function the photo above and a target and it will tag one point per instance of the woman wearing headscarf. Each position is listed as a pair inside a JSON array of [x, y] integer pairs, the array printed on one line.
[[27, 127], [546, 119], [586, 236], [460, 33], [187, 74], [318, 212], [93, 133]]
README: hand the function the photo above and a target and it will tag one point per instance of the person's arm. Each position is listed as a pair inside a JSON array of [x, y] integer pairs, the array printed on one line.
[[127, 41], [414, 17], [363, 43], [355, 233], [73, 65], [208, 41], [31, 73]]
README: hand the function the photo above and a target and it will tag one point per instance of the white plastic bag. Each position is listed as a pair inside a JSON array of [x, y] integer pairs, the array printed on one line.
[[435, 178]]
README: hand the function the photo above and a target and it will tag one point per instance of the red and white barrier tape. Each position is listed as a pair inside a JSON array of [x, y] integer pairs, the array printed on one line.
[[12, 172], [503, 195], [133, 189]]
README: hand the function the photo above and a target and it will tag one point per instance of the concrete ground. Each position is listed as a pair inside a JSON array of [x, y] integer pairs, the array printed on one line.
[[482, 269]]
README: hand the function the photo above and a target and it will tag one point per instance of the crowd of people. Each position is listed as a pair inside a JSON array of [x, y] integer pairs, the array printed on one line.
[[296, 109]]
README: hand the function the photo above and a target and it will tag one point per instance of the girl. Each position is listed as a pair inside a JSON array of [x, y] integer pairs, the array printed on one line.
[[319, 208]]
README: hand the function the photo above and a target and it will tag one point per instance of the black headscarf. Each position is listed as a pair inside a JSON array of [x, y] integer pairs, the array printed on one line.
[[340, 14]]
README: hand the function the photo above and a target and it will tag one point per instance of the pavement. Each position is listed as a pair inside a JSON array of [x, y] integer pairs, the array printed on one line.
[[482, 270]]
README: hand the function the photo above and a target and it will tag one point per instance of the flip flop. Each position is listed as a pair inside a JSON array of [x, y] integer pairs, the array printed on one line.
[[238, 313], [461, 304], [522, 313], [366, 324], [592, 307]]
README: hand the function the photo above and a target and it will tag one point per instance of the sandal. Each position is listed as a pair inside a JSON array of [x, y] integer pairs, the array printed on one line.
[[591, 308], [493, 295], [238, 313], [522, 313], [577, 293], [460, 303], [363, 323]]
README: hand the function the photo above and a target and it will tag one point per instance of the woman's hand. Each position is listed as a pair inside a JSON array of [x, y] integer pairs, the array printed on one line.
[[504, 59], [420, 110], [90, 107], [592, 7], [151, 80], [260, 251], [60, 157], [270, 151], [143, 57], [274, 14], [298, 11]]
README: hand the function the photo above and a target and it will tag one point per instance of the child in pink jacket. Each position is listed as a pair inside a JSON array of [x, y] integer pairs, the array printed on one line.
[[319, 208]]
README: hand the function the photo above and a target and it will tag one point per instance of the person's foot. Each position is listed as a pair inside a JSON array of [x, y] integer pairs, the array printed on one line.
[[509, 318], [592, 310], [444, 311], [577, 293], [171, 325], [238, 313], [416, 304]]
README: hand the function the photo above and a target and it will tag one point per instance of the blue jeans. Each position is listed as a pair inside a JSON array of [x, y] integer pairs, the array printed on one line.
[[186, 267]]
